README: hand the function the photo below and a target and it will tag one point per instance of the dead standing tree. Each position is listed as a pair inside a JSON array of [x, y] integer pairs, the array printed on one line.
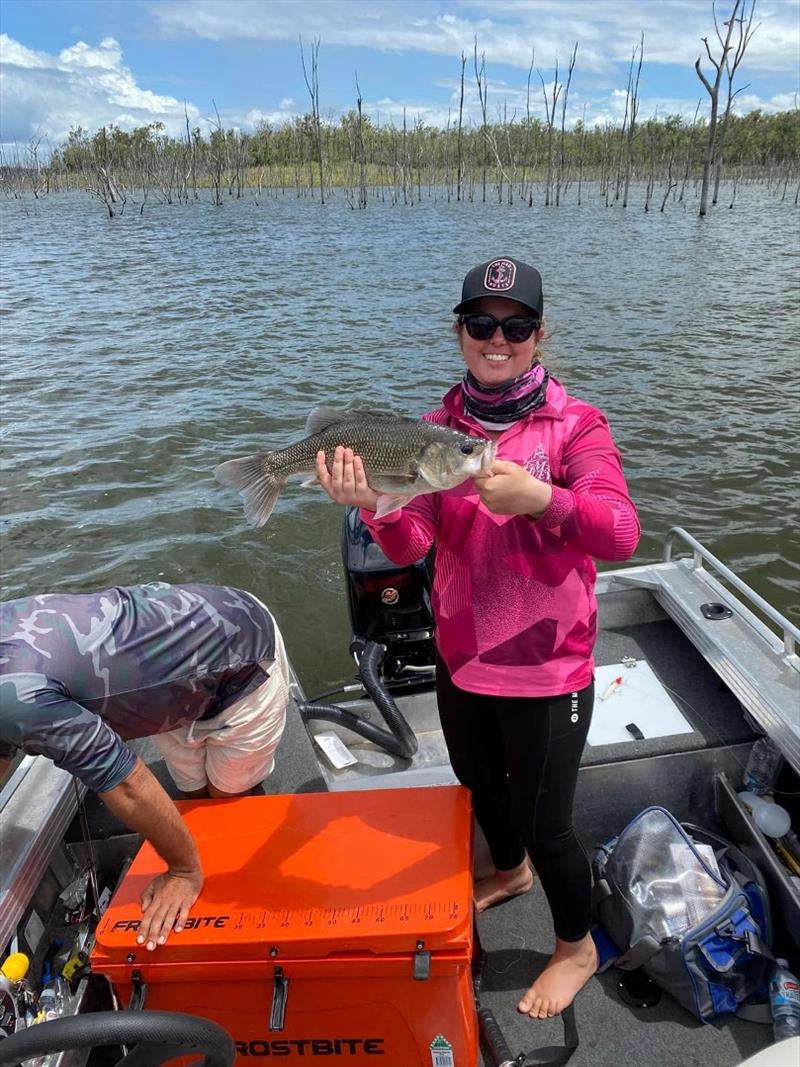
[[312, 84], [480, 78], [561, 154], [362, 160], [732, 61], [527, 144], [633, 95], [550, 112], [460, 143], [713, 92]]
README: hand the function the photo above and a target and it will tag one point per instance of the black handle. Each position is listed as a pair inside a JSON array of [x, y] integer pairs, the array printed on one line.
[[494, 1039], [280, 994]]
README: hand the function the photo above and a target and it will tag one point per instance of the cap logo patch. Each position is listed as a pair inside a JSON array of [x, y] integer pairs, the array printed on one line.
[[500, 275]]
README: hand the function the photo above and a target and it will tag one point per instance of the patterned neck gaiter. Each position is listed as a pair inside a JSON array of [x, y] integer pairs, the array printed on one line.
[[508, 401]]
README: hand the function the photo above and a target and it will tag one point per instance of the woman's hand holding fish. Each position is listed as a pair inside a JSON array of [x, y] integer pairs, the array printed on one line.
[[508, 489], [346, 482]]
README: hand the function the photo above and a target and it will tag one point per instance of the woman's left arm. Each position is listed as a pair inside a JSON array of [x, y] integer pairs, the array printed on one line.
[[593, 507]]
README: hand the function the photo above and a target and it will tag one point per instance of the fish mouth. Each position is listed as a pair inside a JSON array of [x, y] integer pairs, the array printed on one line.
[[487, 457]]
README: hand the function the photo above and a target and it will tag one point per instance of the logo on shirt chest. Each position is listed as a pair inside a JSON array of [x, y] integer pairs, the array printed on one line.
[[538, 464]]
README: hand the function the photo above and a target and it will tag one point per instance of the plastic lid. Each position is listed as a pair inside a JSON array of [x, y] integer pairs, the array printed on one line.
[[782, 963], [16, 966]]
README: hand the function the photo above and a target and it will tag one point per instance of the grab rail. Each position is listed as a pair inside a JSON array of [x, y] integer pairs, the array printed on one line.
[[791, 634]]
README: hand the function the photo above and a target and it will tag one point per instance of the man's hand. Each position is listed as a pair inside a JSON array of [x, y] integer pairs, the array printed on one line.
[[508, 489], [165, 904], [141, 803], [346, 482]]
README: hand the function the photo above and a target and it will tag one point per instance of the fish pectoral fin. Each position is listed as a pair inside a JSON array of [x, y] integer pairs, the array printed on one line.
[[389, 502]]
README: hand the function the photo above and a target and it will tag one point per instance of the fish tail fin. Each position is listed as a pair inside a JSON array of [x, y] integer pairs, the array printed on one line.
[[256, 483]]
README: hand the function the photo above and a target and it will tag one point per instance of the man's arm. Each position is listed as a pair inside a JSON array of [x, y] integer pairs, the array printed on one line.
[[141, 803]]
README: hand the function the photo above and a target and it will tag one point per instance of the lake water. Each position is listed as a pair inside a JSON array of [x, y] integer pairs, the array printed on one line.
[[141, 351]]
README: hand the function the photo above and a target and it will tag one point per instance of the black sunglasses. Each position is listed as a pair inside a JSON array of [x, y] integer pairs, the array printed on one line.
[[516, 328]]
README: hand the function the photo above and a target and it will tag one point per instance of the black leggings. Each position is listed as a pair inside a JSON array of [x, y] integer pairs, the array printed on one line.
[[519, 757]]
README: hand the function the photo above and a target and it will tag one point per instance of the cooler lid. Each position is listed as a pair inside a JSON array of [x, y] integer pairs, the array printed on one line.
[[312, 875]]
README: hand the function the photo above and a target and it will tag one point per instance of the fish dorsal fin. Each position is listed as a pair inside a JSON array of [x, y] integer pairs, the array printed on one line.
[[324, 416]]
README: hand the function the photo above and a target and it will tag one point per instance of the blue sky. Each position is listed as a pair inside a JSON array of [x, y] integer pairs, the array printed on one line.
[[128, 62]]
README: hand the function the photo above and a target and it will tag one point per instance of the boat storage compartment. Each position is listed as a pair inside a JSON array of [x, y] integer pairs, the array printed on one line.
[[784, 894], [332, 928]]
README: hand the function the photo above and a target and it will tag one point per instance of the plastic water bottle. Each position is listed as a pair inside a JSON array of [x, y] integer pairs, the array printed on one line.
[[784, 1001], [53, 999], [762, 766]]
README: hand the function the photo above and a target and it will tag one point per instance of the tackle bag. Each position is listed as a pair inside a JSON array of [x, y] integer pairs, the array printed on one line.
[[690, 909]]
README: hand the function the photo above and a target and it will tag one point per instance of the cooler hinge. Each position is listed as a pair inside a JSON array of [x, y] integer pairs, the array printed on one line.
[[422, 963]]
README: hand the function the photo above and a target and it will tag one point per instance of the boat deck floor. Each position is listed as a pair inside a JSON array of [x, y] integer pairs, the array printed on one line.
[[517, 936]]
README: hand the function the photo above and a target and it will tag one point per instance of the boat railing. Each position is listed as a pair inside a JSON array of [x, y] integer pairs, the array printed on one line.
[[702, 559]]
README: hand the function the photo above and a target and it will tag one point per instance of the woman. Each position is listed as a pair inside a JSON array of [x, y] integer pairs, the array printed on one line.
[[514, 601]]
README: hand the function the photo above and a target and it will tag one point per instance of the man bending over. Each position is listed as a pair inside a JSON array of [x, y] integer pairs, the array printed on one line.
[[199, 668]]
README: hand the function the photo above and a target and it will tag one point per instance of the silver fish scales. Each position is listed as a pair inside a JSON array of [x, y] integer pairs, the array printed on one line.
[[402, 458]]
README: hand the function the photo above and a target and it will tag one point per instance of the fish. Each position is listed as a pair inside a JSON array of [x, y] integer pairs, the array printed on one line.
[[402, 457]]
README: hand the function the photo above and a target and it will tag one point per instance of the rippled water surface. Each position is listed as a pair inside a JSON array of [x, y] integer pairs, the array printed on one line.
[[142, 350]]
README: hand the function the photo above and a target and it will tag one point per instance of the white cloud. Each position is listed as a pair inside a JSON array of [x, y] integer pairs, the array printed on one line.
[[606, 30], [81, 86]]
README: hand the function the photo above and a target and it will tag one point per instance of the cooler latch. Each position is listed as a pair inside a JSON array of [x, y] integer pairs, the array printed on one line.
[[422, 963], [138, 992], [280, 993]]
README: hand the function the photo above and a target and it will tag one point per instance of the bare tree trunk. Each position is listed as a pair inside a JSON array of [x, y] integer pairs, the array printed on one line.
[[312, 84], [563, 121], [634, 91], [670, 183], [480, 77], [460, 174], [713, 92], [732, 62], [581, 148], [689, 158], [550, 112], [362, 162]]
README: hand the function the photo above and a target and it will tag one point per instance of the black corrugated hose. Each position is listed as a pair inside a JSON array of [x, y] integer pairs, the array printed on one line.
[[400, 739]]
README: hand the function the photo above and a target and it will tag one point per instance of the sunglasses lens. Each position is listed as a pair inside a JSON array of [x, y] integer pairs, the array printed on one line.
[[519, 329], [480, 327], [516, 329]]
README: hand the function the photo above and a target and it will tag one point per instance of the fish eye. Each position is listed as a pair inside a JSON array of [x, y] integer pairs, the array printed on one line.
[[467, 448]]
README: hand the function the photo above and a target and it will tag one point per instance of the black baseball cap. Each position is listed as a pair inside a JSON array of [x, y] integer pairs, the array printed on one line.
[[504, 277]]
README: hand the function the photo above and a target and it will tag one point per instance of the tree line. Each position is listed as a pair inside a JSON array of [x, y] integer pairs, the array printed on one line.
[[403, 164], [517, 158]]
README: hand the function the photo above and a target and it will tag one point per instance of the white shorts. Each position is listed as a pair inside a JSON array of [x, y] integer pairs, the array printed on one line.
[[235, 750]]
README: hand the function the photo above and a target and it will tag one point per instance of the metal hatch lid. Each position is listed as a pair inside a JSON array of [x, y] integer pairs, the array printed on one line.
[[311, 875]]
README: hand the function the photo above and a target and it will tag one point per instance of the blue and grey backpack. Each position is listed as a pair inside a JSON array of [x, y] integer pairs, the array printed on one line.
[[690, 909]]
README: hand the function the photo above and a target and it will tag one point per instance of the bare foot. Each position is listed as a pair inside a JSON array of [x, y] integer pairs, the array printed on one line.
[[568, 970], [502, 885]]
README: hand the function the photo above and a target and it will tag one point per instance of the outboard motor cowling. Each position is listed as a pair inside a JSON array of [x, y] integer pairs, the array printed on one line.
[[389, 605]]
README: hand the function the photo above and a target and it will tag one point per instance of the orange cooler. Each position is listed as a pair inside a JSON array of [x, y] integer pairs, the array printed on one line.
[[333, 928]]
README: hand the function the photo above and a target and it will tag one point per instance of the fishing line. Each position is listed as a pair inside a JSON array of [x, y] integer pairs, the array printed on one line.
[[679, 696], [87, 840]]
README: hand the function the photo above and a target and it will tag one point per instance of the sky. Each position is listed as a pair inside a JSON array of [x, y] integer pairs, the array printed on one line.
[[89, 63]]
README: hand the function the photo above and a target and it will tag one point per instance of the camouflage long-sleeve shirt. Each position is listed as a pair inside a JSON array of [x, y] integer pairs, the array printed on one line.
[[80, 675]]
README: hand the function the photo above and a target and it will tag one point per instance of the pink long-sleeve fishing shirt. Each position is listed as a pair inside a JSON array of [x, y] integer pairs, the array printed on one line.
[[514, 596]]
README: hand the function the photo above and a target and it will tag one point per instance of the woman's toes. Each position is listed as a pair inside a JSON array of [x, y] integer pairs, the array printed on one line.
[[525, 1006]]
